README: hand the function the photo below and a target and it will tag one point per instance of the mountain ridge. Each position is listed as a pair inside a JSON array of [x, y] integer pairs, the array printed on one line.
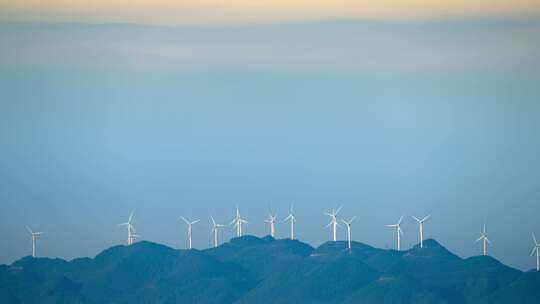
[[250, 269]]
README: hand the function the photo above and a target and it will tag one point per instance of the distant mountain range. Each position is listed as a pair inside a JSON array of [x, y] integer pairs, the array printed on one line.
[[249, 269]]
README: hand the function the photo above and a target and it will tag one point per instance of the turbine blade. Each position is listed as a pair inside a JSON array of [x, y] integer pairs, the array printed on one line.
[[400, 219], [130, 217], [29, 230], [352, 219], [416, 219], [534, 238], [479, 239], [326, 213], [195, 221], [328, 225], [534, 250], [426, 218], [213, 221], [339, 209], [184, 219]]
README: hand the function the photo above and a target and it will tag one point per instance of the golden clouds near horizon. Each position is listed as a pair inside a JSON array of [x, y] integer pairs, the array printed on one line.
[[216, 11]]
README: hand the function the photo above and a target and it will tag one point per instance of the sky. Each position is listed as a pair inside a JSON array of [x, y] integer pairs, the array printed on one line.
[[251, 11], [407, 109]]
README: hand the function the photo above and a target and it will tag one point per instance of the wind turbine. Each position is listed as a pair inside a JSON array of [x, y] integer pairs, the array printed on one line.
[[292, 219], [238, 221], [215, 228], [130, 229], [190, 224], [483, 237], [333, 222], [399, 232], [348, 224], [34, 240], [272, 222], [537, 249], [421, 225]]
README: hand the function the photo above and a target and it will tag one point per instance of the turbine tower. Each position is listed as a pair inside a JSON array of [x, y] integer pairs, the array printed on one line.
[[421, 225], [272, 222], [189, 231], [238, 221], [130, 229], [215, 228], [333, 222], [537, 249], [485, 241], [34, 240], [292, 219], [348, 224], [399, 232]]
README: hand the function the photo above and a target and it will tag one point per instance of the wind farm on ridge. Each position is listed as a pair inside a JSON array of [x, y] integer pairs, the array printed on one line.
[[238, 221]]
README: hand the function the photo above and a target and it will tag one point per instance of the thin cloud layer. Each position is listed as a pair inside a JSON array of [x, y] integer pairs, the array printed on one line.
[[345, 46], [241, 11]]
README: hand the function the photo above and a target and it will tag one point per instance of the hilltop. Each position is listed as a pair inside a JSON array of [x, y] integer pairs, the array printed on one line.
[[265, 270]]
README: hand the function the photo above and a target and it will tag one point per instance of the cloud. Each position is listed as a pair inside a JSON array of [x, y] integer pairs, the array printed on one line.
[[349, 46]]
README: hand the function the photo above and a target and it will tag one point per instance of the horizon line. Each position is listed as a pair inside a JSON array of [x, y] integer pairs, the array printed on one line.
[[443, 20]]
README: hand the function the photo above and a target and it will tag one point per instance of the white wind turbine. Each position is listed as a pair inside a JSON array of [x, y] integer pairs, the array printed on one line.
[[215, 228], [238, 221], [272, 218], [333, 222], [130, 229], [421, 225], [190, 224], [483, 237], [537, 249], [292, 219], [34, 240], [399, 232], [348, 224]]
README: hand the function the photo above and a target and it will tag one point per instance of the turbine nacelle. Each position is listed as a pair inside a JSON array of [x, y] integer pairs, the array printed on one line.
[[398, 231], [292, 219], [189, 232], [485, 241], [333, 222], [237, 222], [130, 229], [349, 222], [421, 221]]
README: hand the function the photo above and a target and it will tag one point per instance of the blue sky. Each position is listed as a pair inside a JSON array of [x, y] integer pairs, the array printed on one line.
[[385, 118]]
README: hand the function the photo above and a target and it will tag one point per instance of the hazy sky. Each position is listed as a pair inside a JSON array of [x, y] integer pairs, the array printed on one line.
[[219, 11], [422, 109]]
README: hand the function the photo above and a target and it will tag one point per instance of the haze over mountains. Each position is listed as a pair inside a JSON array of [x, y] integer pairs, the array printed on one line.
[[249, 269]]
